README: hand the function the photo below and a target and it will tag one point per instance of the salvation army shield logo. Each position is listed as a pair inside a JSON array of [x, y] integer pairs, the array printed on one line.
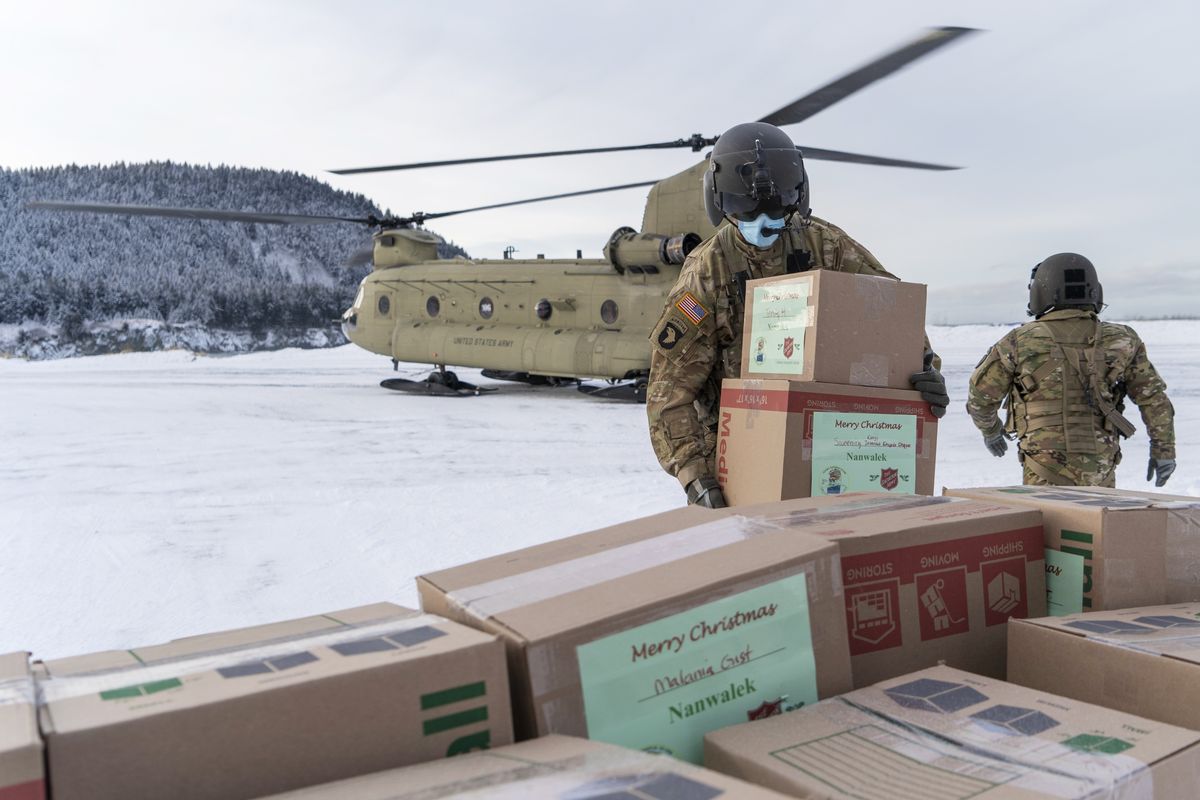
[[789, 347], [768, 708], [889, 478]]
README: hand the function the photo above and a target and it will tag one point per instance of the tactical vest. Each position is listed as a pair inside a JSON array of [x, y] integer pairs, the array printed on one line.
[[1070, 394]]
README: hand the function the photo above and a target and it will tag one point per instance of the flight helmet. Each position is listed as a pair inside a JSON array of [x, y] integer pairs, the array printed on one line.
[[754, 168], [1064, 280]]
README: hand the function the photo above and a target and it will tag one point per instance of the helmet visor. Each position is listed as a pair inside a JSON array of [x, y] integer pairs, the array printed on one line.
[[747, 186]]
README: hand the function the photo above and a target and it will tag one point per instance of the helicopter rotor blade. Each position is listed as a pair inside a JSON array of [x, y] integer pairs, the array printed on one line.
[[819, 154], [696, 142], [821, 99], [361, 257], [198, 213], [421, 217]]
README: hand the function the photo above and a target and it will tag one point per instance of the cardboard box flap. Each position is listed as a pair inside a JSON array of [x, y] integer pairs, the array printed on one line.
[[864, 514], [610, 581], [228, 641], [942, 732], [1089, 497], [551, 766], [78, 693], [555, 552], [1172, 631], [1022, 726]]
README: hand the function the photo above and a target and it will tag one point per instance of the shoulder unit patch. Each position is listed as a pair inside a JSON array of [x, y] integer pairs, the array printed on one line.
[[670, 335], [691, 308]]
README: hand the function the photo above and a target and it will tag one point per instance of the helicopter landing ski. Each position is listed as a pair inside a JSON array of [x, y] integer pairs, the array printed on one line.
[[440, 383], [626, 391]]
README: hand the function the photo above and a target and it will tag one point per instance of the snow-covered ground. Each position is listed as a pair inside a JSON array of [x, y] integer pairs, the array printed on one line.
[[154, 495]]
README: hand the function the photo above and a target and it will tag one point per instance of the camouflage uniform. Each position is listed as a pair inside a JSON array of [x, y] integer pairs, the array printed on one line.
[[1064, 436], [689, 358]]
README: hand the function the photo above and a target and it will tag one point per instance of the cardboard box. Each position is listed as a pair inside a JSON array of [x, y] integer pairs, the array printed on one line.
[[1145, 661], [651, 633], [778, 440], [21, 775], [834, 327], [926, 579], [249, 712], [943, 734], [1111, 548], [550, 767]]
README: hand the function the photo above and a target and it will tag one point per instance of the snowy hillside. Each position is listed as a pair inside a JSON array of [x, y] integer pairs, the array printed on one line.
[[61, 271], [153, 495]]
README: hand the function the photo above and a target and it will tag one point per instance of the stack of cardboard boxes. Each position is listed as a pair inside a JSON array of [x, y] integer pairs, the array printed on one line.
[[688, 633], [823, 405]]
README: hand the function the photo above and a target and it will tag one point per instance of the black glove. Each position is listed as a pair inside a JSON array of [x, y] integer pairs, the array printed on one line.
[[1160, 469], [706, 492], [997, 444], [932, 387]]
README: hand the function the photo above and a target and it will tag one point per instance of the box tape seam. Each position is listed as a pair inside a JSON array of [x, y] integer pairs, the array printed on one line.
[[16, 691], [487, 599], [52, 689]]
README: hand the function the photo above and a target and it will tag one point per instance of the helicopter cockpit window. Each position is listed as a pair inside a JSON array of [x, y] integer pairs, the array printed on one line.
[[543, 310], [609, 311], [433, 306], [486, 308], [388, 241], [384, 304]]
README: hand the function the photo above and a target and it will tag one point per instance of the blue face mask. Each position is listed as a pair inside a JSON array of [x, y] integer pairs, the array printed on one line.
[[758, 231]]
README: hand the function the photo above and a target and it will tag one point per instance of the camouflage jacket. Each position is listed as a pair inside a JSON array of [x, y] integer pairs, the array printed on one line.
[[698, 339], [1049, 402]]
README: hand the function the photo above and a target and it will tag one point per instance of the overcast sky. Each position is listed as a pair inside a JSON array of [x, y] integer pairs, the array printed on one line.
[[1077, 122]]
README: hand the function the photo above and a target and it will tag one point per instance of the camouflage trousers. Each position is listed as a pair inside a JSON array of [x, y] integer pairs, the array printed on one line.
[[1052, 468]]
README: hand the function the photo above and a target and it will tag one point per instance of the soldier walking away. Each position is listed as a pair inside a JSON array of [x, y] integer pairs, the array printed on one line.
[[1064, 378], [756, 180]]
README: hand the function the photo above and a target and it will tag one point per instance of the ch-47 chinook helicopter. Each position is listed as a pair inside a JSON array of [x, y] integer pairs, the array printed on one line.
[[545, 321]]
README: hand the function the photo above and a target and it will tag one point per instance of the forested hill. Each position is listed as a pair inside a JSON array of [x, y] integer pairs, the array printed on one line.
[[61, 273]]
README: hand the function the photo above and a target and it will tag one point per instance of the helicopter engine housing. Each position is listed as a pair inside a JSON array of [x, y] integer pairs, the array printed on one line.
[[400, 247], [629, 250]]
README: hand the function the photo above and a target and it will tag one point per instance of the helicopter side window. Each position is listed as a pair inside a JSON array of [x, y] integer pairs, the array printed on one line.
[[609, 311], [543, 309], [384, 304], [433, 306], [486, 308]]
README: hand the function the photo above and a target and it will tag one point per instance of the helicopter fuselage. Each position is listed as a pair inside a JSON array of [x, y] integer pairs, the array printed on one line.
[[569, 318]]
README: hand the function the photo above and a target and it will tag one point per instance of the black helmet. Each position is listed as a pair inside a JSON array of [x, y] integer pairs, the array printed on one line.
[[753, 168], [1064, 280]]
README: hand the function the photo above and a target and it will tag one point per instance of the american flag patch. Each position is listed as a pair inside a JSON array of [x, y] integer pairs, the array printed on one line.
[[691, 308]]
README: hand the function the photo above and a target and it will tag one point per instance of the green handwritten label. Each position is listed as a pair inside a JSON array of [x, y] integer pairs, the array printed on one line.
[[1064, 583], [663, 685], [853, 452], [779, 320]]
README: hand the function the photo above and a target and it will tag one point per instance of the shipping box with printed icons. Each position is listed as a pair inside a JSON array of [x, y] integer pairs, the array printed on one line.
[[834, 327], [1144, 661], [268, 709], [21, 762], [926, 579], [945, 734], [1111, 548], [651, 633], [550, 768], [778, 440]]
